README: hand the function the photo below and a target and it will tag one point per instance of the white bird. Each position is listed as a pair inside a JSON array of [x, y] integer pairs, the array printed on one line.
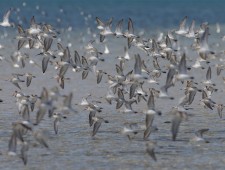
[[182, 29], [5, 22]]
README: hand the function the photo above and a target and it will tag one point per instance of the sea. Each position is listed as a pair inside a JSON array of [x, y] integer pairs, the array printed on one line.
[[74, 147]]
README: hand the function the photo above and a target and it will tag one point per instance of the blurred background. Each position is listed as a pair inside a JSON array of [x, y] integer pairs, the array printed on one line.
[[146, 14]]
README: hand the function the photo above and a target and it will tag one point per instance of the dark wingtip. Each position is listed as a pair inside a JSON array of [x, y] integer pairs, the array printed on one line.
[[159, 113]]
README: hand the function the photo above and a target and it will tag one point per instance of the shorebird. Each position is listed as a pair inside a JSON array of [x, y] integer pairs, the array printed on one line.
[[66, 108], [97, 123], [126, 82], [101, 24], [127, 103], [90, 106], [105, 28], [20, 128], [150, 114], [41, 137], [57, 118], [178, 117], [15, 80], [154, 51], [23, 151], [182, 27], [206, 101], [191, 31], [118, 31], [29, 78], [18, 59], [12, 145], [24, 104], [199, 136], [208, 80], [35, 28], [182, 70], [130, 31], [219, 109], [132, 129], [169, 83], [47, 43], [138, 69], [110, 96], [129, 34], [5, 22], [45, 105], [150, 149], [136, 89]]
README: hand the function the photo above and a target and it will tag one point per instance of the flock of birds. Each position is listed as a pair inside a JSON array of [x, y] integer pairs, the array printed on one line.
[[125, 88]]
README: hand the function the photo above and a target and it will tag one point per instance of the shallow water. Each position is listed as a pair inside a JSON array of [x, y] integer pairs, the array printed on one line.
[[73, 147]]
